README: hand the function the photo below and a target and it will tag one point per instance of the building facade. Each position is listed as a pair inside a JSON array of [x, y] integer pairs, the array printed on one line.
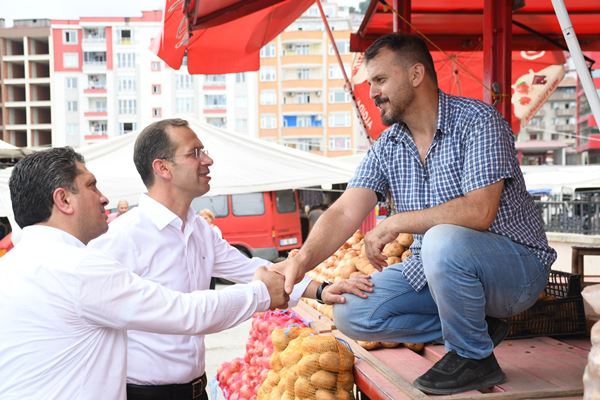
[[549, 137], [72, 82], [25, 83], [588, 134], [301, 98]]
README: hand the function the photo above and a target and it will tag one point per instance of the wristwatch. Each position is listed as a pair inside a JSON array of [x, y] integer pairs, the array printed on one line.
[[320, 291]]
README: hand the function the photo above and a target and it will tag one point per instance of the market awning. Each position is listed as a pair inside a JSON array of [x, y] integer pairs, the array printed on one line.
[[458, 25], [223, 36]]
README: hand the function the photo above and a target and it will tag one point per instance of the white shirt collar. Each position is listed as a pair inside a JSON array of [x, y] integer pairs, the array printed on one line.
[[43, 233], [161, 216]]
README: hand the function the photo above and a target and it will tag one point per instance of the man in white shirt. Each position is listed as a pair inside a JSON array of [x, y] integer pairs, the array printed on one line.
[[65, 308], [163, 240]]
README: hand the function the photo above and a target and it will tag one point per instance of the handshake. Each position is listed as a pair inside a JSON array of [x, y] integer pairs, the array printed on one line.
[[275, 284], [279, 284]]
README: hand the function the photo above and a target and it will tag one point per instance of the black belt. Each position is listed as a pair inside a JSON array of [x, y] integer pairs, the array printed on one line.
[[194, 390]]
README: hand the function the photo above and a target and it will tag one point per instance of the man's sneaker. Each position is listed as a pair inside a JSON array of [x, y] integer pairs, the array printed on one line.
[[455, 374], [497, 329]]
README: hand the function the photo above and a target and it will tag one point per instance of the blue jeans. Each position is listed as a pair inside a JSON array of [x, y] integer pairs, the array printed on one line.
[[470, 274]]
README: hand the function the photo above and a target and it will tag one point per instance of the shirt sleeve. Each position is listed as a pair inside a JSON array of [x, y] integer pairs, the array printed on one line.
[[112, 296], [370, 172], [490, 152]]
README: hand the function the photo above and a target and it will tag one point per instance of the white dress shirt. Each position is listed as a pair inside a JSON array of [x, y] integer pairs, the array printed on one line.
[[65, 308], [149, 240]]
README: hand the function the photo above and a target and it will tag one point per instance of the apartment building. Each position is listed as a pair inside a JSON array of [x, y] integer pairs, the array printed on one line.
[[588, 134], [301, 98], [72, 82], [25, 83], [549, 137]]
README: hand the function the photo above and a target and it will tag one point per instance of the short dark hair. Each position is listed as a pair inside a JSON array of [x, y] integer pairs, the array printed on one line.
[[153, 143], [410, 48], [35, 178]]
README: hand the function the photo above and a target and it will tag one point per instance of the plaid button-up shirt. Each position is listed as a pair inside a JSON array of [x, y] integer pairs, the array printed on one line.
[[473, 147]]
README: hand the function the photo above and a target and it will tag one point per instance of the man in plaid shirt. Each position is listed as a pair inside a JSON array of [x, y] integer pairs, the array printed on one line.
[[480, 252]]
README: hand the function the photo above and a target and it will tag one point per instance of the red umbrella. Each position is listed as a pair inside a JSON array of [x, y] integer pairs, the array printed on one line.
[[223, 36]]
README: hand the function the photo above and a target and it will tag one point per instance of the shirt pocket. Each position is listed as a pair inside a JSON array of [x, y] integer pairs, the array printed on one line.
[[446, 182]]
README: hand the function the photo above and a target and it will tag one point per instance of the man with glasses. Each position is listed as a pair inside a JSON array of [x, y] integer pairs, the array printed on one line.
[[163, 240]]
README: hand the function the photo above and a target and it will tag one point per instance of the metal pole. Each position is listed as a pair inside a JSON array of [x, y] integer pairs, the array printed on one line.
[[582, 71]]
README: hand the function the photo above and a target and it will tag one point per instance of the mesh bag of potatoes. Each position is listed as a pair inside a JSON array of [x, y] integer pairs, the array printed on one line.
[[306, 366]]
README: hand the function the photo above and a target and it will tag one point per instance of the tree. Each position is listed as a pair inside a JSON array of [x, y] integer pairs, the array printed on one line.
[[363, 5]]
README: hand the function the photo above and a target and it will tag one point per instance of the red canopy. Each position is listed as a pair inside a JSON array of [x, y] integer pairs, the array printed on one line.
[[223, 36], [457, 25]]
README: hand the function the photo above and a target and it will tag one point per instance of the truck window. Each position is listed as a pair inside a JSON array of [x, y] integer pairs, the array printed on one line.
[[217, 204], [286, 201], [248, 204]]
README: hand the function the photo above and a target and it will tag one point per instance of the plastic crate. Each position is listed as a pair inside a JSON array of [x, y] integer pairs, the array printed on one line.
[[562, 316]]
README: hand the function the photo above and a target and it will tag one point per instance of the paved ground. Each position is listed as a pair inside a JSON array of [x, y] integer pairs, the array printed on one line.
[[224, 346]]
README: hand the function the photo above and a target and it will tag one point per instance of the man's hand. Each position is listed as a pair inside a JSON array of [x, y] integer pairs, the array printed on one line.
[[291, 270], [356, 285], [376, 240], [274, 282]]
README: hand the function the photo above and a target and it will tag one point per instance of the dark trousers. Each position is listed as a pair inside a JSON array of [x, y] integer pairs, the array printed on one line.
[[195, 390]]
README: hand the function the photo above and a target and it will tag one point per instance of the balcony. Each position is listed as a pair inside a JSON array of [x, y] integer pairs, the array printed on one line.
[[564, 112], [97, 91], [565, 128], [95, 114]]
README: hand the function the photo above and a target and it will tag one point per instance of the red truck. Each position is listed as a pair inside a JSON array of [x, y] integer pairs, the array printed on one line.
[[262, 224]]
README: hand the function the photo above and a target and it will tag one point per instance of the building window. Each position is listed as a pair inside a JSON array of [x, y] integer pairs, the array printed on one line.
[[241, 125], [125, 60], [241, 100], [155, 66], [156, 89], [98, 128], [268, 51], [72, 106], [268, 121], [127, 106], [71, 60], [184, 105], [240, 77], [219, 122], [304, 144], [268, 97], [339, 119], [71, 83], [215, 101], [127, 127], [303, 73], [72, 130], [124, 36], [157, 112], [127, 84], [70, 36], [267, 74], [219, 79], [335, 72], [342, 45], [337, 143], [339, 96], [183, 82]]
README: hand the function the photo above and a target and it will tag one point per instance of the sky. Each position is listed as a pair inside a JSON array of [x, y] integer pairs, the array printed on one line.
[[72, 9]]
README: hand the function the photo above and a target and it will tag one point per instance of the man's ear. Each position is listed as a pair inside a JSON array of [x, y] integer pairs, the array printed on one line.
[[417, 74], [161, 168], [62, 199]]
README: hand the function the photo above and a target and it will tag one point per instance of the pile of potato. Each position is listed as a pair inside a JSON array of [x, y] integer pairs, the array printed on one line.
[[350, 259], [306, 366]]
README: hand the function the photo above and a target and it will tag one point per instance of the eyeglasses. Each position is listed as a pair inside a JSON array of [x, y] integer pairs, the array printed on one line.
[[197, 153]]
